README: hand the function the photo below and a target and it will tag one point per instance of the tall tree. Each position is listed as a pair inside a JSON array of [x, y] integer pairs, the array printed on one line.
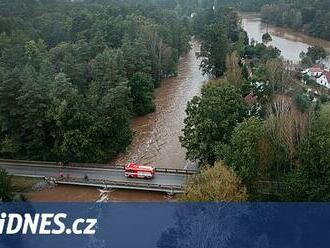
[[214, 49], [210, 121]]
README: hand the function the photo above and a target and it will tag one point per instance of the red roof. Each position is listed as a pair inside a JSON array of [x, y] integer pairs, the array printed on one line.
[[327, 75], [315, 69], [318, 66]]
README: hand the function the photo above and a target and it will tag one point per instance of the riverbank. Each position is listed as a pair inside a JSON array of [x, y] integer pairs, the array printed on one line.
[[290, 42]]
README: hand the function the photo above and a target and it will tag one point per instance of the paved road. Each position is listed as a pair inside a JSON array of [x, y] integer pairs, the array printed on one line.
[[41, 170]]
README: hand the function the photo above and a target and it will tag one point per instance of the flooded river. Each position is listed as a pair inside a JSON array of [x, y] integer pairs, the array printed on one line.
[[291, 43], [156, 140], [63, 193]]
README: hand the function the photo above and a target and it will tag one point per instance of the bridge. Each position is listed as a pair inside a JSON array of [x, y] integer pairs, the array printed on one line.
[[170, 181]]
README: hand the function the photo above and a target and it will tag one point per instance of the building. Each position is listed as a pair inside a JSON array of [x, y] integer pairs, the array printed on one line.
[[314, 71], [319, 74], [324, 79]]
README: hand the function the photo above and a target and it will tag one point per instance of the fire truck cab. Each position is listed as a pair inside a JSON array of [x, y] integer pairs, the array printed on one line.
[[139, 171]]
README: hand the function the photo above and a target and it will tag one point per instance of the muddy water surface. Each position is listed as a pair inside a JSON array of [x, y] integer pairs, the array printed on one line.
[[291, 43], [87, 194], [156, 140]]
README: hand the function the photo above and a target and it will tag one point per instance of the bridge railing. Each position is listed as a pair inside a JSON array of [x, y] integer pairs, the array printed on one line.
[[109, 183], [121, 167], [93, 165], [28, 162]]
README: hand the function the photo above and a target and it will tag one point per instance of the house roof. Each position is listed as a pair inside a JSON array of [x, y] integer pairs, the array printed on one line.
[[318, 66], [327, 75], [315, 69]]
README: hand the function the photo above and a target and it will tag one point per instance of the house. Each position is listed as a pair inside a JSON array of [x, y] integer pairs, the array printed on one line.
[[314, 71], [324, 79]]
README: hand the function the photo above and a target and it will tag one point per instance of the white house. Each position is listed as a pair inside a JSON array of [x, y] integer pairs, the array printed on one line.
[[324, 79], [315, 71]]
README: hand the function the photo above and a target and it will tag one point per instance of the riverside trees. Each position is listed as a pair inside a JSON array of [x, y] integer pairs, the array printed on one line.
[[72, 73], [268, 132]]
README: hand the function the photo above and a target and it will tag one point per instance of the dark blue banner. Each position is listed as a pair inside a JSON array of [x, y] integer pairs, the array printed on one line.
[[164, 225]]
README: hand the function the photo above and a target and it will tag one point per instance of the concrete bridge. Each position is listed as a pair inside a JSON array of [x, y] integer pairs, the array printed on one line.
[[170, 181]]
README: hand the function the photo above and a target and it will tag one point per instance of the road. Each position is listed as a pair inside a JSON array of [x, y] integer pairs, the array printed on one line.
[[163, 181]]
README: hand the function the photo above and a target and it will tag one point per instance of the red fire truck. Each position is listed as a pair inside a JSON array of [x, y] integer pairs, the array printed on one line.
[[139, 171]]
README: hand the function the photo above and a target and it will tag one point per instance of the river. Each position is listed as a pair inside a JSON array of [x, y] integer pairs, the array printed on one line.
[[291, 43], [156, 139]]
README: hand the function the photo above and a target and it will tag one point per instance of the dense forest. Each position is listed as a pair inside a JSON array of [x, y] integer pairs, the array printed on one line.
[[311, 17], [73, 73]]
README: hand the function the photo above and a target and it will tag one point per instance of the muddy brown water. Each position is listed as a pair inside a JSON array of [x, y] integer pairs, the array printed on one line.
[[291, 43], [156, 139], [65, 193]]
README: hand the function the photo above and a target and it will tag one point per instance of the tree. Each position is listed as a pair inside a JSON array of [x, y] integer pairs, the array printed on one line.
[[287, 126], [266, 38], [33, 101], [311, 179], [303, 102], [313, 55], [214, 49], [210, 120], [6, 189], [234, 74], [108, 69], [137, 57], [142, 86], [242, 154], [217, 184]]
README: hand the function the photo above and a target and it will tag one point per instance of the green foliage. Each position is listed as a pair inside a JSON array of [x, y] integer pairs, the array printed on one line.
[[215, 47], [311, 179], [266, 38], [141, 85], [242, 154], [220, 32], [72, 74], [210, 121], [6, 190], [302, 102], [217, 184], [312, 17], [313, 55], [260, 53]]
